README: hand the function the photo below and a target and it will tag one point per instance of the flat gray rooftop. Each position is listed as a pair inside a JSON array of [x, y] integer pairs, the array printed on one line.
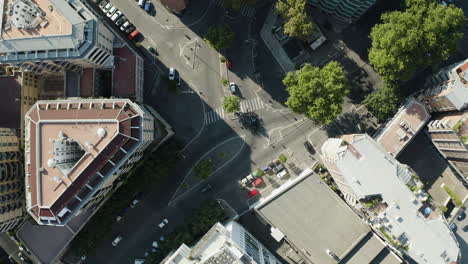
[[314, 219]]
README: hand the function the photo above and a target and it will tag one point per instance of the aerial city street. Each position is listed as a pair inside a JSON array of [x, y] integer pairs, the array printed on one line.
[[233, 131]]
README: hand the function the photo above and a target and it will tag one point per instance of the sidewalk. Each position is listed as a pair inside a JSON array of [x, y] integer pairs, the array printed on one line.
[[273, 44]]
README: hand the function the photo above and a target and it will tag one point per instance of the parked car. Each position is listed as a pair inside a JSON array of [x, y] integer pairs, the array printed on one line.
[[125, 25], [163, 223], [206, 188], [282, 173], [461, 216], [141, 3], [309, 147], [121, 20], [232, 87], [278, 168], [116, 15], [152, 50], [171, 74], [133, 35], [148, 6], [116, 240], [111, 11], [139, 261], [134, 203], [154, 245], [102, 4], [107, 7], [453, 226], [252, 193], [130, 29], [465, 228]]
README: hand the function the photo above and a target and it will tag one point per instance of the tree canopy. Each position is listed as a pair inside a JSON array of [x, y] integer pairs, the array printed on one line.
[[298, 24], [317, 93], [424, 34], [219, 37], [231, 104], [384, 102]]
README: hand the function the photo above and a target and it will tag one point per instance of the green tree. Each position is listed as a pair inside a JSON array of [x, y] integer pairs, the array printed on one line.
[[234, 4], [424, 34], [231, 104], [384, 102], [317, 93], [203, 169], [219, 37], [298, 24]]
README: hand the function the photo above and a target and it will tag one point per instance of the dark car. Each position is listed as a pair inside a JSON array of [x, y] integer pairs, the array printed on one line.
[[206, 188], [229, 64], [152, 50], [465, 228], [148, 6], [130, 29], [309, 147], [461, 216], [453, 226]]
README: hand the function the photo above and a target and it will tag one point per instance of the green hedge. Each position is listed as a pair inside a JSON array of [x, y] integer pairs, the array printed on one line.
[[455, 198]]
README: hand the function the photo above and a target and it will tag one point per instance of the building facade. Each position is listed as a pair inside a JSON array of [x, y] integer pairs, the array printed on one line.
[[75, 150], [11, 184], [447, 90], [228, 244], [53, 36], [346, 11], [375, 182]]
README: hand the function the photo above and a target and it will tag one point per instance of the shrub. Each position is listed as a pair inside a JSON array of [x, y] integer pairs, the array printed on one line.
[[222, 59], [224, 82], [455, 198], [282, 158], [203, 169]]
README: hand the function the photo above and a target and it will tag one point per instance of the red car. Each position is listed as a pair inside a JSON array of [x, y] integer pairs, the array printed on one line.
[[228, 64], [252, 193], [133, 35], [257, 182]]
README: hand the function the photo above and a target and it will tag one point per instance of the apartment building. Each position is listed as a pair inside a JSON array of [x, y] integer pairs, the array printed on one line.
[[447, 90], [346, 11], [74, 151], [449, 133], [53, 36], [228, 244], [11, 184], [374, 181]]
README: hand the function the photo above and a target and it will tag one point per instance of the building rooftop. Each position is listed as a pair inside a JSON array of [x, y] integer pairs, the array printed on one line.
[[71, 147], [53, 29], [369, 170], [124, 73], [401, 129], [314, 219]]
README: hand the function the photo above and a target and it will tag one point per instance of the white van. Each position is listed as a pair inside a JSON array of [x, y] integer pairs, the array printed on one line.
[[141, 3], [116, 15]]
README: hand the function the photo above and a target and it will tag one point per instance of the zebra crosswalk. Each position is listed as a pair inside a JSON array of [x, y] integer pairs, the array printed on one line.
[[250, 105], [245, 10]]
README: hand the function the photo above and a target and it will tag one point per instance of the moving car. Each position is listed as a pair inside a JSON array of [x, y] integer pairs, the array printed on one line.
[[139, 261], [134, 202], [154, 245], [111, 11], [116, 240], [163, 223], [206, 188], [116, 15], [171, 74], [232, 87], [309, 147]]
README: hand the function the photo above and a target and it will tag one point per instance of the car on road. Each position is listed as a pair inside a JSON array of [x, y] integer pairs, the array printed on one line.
[[116, 240], [206, 188], [453, 226], [154, 246], [134, 203], [147, 7], [309, 147], [130, 29], [152, 50], [139, 261], [171, 74], [111, 11], [163, 223], [252, 193], [228, 64], [121, 20], [161, 238], [106, 7], [232, 87], [461, 216], [116, 15]]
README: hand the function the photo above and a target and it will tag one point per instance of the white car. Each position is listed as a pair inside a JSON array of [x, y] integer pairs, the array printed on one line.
[[102, 4], [116, 240], [154, 246], [111, 11], [282, 173], [125, 25], [134, 202], [171, 74], [107, 7], [163, 223], [232, 88], [116, 15]]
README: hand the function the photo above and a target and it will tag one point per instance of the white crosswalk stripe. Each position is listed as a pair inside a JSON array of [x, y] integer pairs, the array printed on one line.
[[214, 115], [251, 105], [245, 10]]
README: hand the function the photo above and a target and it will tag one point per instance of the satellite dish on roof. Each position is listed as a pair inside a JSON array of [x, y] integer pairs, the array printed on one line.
[[51, 163], [101, 132]]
